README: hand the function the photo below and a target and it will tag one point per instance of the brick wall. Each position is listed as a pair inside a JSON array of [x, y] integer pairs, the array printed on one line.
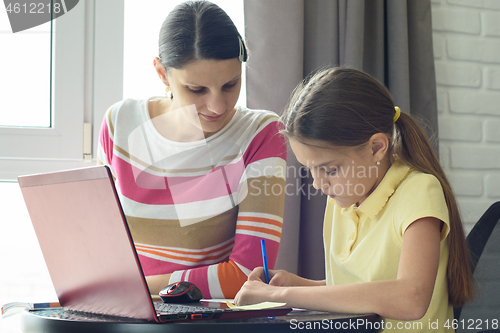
[[466, 37]]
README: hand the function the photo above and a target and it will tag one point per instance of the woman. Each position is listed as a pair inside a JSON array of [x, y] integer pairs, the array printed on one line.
[[192, 170]]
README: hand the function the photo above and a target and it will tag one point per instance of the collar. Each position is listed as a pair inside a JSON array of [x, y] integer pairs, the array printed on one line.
[[374, 203]]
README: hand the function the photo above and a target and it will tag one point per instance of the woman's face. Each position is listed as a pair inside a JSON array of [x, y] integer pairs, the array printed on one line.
[[212, 86]]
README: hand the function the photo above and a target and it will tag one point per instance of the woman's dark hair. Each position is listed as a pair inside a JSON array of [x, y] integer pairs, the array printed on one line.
[[344, 107], [196, 30]]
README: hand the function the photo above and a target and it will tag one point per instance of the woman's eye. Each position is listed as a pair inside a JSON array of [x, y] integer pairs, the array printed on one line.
[[229, 86]]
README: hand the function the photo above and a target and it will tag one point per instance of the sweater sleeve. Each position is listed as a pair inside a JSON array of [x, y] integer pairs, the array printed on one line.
[[260, 216], [106, 133]]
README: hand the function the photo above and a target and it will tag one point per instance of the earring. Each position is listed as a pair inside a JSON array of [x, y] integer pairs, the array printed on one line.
[[168, 93], [378, 163]]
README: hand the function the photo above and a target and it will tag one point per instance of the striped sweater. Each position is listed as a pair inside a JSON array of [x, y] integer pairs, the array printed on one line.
[[198, 209]]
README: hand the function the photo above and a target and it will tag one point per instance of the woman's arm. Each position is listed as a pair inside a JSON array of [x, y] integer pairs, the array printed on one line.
[[406, 298], [157, 282], [260, 200]]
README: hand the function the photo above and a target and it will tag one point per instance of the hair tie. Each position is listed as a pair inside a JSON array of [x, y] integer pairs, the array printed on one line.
[[397, 114]]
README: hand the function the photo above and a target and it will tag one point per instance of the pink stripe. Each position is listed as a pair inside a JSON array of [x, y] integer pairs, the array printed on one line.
[[221, 182], [138, 190], [146, 188], [267, 143], [198, 276], [272, 252], [148, 181], [105, 140], [152, 266], [247, 251], [233, 173]]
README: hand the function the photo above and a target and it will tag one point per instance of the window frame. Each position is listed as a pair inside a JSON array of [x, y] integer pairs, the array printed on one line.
[[87, 72], [87, 77]]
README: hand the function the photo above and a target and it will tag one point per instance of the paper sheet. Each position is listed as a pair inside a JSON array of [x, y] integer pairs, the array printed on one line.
[[258, 306]]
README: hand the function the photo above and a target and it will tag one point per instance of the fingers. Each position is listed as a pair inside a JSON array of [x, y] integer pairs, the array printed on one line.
[[240, 298], [257, 275], [237, 298], [280, 278], [251, 292]]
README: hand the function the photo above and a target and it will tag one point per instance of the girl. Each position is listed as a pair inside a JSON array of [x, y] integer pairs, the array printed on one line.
[[394, 242], [190, 167]]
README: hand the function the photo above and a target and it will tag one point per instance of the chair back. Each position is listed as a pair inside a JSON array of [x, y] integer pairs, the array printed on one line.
[[484, 245]]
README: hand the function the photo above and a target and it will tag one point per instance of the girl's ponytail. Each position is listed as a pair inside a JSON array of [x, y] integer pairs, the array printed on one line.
[[414, 149]]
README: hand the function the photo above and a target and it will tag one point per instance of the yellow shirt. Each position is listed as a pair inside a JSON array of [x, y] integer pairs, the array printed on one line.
[[363, 244]]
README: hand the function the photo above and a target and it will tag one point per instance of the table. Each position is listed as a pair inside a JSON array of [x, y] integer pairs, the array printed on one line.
[[57, 320]]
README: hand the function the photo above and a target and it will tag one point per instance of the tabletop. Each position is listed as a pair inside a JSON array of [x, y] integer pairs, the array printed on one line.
[[58, 320]]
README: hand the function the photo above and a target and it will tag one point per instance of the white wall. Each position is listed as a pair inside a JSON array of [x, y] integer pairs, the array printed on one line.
[[466, 37]]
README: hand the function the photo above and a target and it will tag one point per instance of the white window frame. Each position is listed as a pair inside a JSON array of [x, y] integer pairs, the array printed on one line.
[[87, 79]]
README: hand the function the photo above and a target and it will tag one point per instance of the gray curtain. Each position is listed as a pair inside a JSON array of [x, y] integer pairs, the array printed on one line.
[[288, 39]]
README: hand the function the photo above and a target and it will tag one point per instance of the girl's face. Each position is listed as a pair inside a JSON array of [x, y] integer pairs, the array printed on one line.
[[347, 176], [212, 86]]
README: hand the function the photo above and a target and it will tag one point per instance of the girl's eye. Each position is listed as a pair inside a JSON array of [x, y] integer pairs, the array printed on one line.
[[332, 172], [196, 91]]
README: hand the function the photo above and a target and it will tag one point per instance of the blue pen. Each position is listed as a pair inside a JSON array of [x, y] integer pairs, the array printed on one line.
[[264, 259]]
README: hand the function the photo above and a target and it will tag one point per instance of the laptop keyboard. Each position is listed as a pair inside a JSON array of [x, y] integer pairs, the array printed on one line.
[[183, 308]]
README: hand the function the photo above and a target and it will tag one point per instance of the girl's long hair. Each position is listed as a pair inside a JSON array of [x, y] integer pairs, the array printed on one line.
[[344, 107]]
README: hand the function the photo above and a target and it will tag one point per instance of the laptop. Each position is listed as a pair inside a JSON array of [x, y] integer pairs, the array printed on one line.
[[90, 254]]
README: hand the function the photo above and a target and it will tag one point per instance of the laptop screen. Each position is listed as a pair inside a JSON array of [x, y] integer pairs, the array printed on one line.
[[86, 244]]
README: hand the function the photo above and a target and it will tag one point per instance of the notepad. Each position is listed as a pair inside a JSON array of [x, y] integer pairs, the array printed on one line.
[[258, 306]]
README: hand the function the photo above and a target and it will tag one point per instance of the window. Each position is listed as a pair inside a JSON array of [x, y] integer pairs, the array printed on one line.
[[88, 76], [53, 145], [45, 133], [26, 79]]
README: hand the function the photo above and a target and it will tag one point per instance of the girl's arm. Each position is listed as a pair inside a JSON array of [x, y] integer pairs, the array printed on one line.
[[406, 298]]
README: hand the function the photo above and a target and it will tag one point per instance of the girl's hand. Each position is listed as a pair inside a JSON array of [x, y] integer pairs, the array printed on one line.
[[256, 291], [281, 278], [278, 278]]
